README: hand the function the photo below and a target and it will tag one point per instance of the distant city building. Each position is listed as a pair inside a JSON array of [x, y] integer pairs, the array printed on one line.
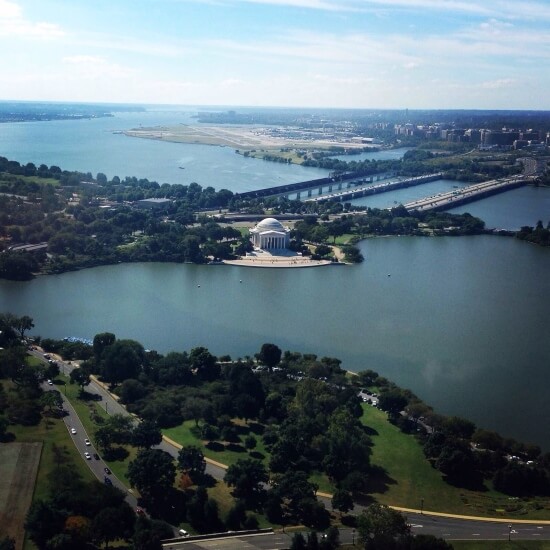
[[270, 234]]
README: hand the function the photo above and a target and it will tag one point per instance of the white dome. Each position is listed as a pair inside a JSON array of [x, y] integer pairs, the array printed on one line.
[[270, 224]]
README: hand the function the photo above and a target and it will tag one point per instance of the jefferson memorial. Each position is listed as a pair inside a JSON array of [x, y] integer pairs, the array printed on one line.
[[270, 234]]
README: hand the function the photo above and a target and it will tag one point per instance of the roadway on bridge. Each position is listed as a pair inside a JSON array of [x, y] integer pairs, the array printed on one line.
[[471, 193]]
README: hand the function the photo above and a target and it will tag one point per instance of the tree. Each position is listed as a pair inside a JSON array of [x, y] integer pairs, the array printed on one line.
[[191, 461], [294, 489], [152, 471], [205, 364], [247, 476], [7, 543], [146, 434], [342, 501], [392, 401], [121, 360], [349, 447], [131, 390], [81, 378], [23, 324], [113, 523], [270, 355], [298, 542], [101, 342], [148, 534], [43, 522], [379, 526], [51, 399]]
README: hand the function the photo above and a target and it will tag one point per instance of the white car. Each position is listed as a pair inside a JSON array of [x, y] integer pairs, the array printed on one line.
[[50, 383], [88, 456], [183, 533], [87, 442], [73, 430]]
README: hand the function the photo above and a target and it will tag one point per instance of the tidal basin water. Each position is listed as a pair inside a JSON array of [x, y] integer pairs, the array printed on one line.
[[461, 321]]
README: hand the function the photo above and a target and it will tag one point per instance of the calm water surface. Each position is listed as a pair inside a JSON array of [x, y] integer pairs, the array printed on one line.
[[461, 321], [92, 146]]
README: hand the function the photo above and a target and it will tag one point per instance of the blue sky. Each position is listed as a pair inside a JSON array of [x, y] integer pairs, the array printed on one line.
[[486, 54]]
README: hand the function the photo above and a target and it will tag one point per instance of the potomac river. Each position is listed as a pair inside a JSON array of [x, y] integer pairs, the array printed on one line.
[[461, 321]]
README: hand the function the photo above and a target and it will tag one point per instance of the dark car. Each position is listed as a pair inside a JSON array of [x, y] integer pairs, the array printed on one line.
[[107, 480], [96, 456], [107, 471]]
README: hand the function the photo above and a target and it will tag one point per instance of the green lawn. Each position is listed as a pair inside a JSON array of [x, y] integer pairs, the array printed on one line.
[[409, 478], [183, 435], [50, 432]]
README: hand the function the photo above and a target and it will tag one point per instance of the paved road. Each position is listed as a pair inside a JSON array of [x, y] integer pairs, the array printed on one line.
[[72, 421], [448, 528]]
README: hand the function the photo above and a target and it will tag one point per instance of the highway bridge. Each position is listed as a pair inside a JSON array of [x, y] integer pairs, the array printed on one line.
[[338, 181], [366, 190], [458, 197]]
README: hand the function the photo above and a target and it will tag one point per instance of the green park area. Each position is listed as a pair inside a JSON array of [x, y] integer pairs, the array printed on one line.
[[407, 479]]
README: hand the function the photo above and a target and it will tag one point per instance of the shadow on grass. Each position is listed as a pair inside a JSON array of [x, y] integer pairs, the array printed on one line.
[[215, 446], [87, 396], [256, 428], [472, 482], [115, 453], [206, 480], [370, 431], [257, 455], [378, 481]]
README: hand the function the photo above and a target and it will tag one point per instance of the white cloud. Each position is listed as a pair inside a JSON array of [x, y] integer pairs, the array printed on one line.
[[13, 24], [9, 9]]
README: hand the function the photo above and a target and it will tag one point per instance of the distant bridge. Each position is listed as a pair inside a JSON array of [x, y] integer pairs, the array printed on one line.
[[444, 201], [366, 190], [346, 180]]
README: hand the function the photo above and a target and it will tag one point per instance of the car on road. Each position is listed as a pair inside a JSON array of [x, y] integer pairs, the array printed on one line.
[[88, 456], [73, 430], [50, 383], [107, 471], [140, 511], [183, 533], [96, 456], [87, 442], [107, 481]]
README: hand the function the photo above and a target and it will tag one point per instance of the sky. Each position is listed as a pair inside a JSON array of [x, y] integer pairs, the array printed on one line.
[[381, 54]]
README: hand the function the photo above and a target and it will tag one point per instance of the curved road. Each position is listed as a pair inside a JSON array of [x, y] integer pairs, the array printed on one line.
[[439, 525]]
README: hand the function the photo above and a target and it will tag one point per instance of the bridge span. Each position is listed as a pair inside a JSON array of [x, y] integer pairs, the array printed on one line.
[[444, 201], [338, 181], [366, 190]]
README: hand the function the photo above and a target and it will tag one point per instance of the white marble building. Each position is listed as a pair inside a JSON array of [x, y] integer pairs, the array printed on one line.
[[270, 234]]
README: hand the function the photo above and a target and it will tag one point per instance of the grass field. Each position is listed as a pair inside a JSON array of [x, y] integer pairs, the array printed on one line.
[[50, 433], [20, 463], [409, 478], [227, 455]]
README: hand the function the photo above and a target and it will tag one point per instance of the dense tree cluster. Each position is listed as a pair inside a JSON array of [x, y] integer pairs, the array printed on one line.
[[75, 513], [538, 235]]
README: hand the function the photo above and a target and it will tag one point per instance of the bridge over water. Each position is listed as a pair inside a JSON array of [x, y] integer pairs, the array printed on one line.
[[366, 190], [341, 181], [444, 201]]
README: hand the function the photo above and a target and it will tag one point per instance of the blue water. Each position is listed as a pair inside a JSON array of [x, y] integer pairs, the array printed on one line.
[[92, 146]]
